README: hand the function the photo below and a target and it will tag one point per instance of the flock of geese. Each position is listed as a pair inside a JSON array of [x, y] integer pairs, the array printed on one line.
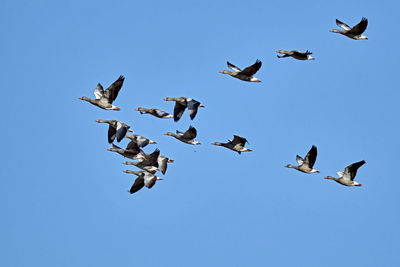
[[150, 163]]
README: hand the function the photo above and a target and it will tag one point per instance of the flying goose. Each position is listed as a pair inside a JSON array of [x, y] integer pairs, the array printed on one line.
[[116, 129], [181, 103], [140, 140], [306, 164], [162, 162], [296, 54], [141, 165], [144, 179], [237, 144], [186, 137], [131, 151], [155, 112], [347, 176], [355, 32], [246, 74], [104, 99]]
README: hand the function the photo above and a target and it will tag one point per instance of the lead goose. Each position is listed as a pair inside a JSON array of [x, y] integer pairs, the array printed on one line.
[[181, 103], [155, 112], [116, 129], [306, 164], [186, 137], [144, 179], [295, 54], [237, 144], [244, 75], [347, 176], [104, 99], [355, 32], [131, 151]]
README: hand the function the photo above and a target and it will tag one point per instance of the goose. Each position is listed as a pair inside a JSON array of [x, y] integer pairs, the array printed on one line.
[[186, 137], [181, 103], [131, 151], [355, 32], [104, 99], [246, 74], [306, 164], [144, 179], [237, 144], [296, 54], [155, 112], [116, 129], [140, 140], [163, 162], [140, 165], [347, 176]]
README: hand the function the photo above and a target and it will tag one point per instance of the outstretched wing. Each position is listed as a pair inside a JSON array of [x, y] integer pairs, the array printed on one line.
[[360, 27], [111, 133], [239, 140], [112, 91], [299, 160], [351, 170], [132, 147], [122, 129], [98, 91], [137, 185], [233, 67], [251, 70], [342, 25], [152, 158], [190, 134], [193, 106], [178, 111], [311, 157]]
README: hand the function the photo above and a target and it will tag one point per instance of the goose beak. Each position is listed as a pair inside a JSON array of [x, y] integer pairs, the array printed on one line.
[[249, 149], [165, 99], [116, 109], [326, 177], [202, 106]]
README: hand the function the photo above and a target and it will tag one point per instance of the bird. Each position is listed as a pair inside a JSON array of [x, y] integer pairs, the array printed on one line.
[[246, 74], [306, 164], [141, 165], [296, 54], [140, 140], [163, 162], [131, 151], [144, 179], [237, 144], [355, 32], [155, 112], [116, 129], [181, 103], [347, 176], [186, 137], [104, 99]]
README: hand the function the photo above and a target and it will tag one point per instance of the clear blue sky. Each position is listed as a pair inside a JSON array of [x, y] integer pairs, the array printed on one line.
[[64, 199]]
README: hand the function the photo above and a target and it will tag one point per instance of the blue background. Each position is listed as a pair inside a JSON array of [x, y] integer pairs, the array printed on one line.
[[64, 199]]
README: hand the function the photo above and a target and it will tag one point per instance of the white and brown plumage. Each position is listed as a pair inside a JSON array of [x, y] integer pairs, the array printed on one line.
[[306, 164], [155, 112], [116, 129], [131, 151], [144, 164], [295, 54], [246, 74], [181, 103], [237, 144], [347, 176], [353, 33], [140, 140], [186, 137], [144, 179], [104, 99]]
